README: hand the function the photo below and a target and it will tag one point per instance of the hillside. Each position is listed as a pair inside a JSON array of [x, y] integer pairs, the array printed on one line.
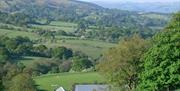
[[16, 4], [49, 8], [104, 24], [159, 7], [47, 44]]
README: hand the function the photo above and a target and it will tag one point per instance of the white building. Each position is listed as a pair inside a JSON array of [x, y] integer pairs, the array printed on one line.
[[60, 89]]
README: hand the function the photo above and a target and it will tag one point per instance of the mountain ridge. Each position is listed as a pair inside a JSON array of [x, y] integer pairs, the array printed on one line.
[[46, 5], [158, 7]]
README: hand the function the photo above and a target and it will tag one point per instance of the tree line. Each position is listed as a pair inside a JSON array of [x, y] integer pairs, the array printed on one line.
[[153, 64], [17, 19]]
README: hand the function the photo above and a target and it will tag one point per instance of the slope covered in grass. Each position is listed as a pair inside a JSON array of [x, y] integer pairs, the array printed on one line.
[[66, 80]]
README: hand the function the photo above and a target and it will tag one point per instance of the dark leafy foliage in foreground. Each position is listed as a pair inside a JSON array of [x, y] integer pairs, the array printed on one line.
[[161, 67]]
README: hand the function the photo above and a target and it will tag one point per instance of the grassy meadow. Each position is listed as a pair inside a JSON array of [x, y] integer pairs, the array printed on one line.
[[91, 48], [66, 80], [58, 25], [14, 33], [27, 60]]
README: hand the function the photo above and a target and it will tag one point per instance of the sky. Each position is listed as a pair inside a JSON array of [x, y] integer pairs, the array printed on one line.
[[142, 1]]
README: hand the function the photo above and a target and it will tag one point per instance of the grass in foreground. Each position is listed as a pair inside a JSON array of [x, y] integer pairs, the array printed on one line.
[[66, 80]]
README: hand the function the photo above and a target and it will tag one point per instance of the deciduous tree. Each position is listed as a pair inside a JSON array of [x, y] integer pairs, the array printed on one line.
[[120, 64], [22, 82], [79, 64], [161, 67], [4, 54]]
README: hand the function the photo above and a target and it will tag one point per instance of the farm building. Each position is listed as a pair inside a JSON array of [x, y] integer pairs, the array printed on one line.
[[91, 88], [60, 89]]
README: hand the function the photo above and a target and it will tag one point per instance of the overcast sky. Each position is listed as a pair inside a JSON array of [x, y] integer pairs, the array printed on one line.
[[130, 0]]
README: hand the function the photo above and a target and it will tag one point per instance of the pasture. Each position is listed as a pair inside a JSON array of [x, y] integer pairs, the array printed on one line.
[[92, 48], [27, 60], [58, 25], [14, 33], [66, 80]]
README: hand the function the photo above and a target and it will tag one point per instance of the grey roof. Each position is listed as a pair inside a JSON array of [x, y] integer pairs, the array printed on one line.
[[91, 88]]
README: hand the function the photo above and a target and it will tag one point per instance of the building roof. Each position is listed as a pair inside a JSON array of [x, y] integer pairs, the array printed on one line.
[[91, 88]]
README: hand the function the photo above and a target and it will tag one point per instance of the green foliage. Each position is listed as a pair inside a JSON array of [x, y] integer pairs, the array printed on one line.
[[119, 64], [81, 28], [79, 64], [13, 79], [82, 25], [90, 21], [21, 66], [22, 82], [1, 86], [24, 49], [42, 67], [10, 70], [62, 53], [17, 46], [18, 19], [65, 66], [161, 64], [42, 51], [85, 15], [1, 75], [4, 55]]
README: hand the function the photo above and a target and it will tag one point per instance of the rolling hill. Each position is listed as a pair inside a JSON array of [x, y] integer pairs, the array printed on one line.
[[44, 38], [52, 9], [159, 7], [112, 24]]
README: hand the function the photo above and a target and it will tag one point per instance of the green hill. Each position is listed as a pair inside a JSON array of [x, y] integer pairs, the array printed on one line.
[[104, 24], [48, 8]]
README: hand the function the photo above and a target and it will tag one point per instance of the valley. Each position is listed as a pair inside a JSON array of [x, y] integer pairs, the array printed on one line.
[[48, 44]]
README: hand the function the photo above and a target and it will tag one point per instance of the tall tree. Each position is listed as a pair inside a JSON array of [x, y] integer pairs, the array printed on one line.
[[4, 54], [62, 53], [79, 64], [22, 82], [119, 64], [1, 76], [161, 67]]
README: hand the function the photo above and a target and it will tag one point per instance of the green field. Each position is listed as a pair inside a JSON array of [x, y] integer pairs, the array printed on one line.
[[64, 26], [30, 60], [155, 16], [58, 25], [14, 33], [66, 80], [91, 48]]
